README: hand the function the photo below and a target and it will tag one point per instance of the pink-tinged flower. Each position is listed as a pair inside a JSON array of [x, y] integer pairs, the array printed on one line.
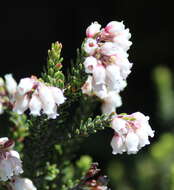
[[124, 65], [99, 74], [119, 126], [25, 85], [111, 102], [11, 84], [90, 63], [114, 80], [35, 104], [117, 144], [21, 103], [10, 163], [90, 46], [93, 29], [112, 49], [87, 87], [142, 122], [134, 129], [109, 49], [122, 40], [18, 183], [38, 97], [57, 94], [114, 27]]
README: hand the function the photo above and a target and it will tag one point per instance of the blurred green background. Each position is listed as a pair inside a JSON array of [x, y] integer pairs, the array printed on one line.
[[27, 33]]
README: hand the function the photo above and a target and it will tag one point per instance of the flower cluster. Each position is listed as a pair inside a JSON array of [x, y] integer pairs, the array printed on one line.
[[107, 62], [10, 162], [37, 96], [132, 132]]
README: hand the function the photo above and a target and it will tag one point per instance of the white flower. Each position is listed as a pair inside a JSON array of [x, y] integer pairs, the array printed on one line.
[[21, 103], [93, 29], [119, 126], [48, 102], [109, 49], [57, 94], [134, 130], [112, 49], [99, 90], [124, 65], [90, 63], [143, 137], [114, 79], [90, 46], [11, 84], [99, 74], [87, 87], [35, 104], [131, 143], [54, 114], [38, 97], [10, 164], [117, 144], [19, 183], [114, 27], [25, 85], [142, 122], [111, 102]]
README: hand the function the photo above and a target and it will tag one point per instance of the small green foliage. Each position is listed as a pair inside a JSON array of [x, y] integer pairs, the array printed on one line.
[[91, 126], [51, 171], [53, 74], [129, 118], [83, 165], [76, 77]]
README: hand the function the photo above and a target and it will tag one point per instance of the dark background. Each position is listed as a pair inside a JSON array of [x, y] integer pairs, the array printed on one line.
[[27, 33]]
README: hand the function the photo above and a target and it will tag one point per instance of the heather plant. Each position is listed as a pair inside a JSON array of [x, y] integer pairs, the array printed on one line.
[[51, 114]]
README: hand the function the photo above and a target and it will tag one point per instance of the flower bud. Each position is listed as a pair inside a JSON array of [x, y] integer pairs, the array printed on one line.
[[93, 29], [11, 84]]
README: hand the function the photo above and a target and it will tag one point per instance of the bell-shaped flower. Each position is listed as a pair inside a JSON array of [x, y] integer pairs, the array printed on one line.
[[90, 46], [111, 102], [90, 63], [10, 83], [54, 114], [35, 104], [134, 129], [114, 27], [19, 183], [10, 163], [117, 144], [21, 103], [46, 97], [131, 142], [25, 85], [57, 94], [93, 29], [114, 79], [99, 74]]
